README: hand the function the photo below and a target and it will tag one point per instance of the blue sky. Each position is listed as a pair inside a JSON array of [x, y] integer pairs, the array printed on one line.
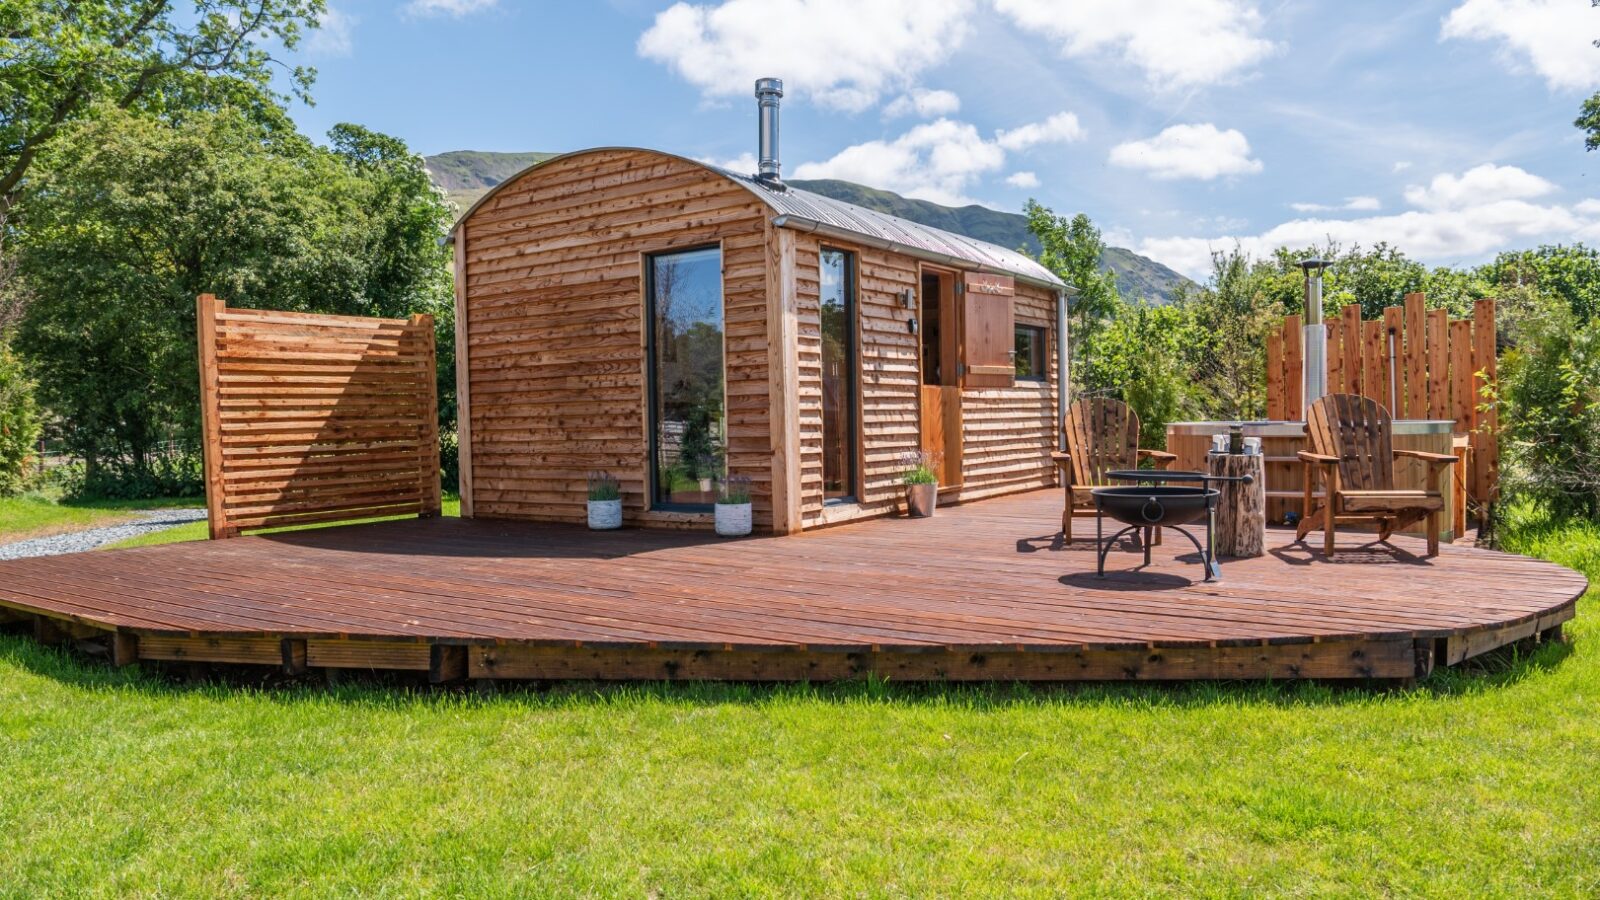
[[1179, 126]]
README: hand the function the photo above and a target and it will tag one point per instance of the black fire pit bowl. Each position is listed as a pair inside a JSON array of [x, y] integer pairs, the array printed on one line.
[[1151, 507]]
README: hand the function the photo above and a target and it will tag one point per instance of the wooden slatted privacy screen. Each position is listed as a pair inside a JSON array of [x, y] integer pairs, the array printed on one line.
[[1417, 362], [313, 418]]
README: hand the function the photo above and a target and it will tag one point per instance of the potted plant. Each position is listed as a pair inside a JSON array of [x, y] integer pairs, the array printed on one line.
[[733, 507], [922, 484], [605, 501]]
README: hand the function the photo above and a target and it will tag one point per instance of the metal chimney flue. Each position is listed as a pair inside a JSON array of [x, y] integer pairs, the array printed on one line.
[[769, 91], [1314, 383]]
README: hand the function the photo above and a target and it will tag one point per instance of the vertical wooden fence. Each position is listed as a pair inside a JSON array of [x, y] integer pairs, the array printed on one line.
[[1417, 362], [313, 418]]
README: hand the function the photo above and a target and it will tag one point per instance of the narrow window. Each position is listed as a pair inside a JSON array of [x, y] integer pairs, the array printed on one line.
[[688, 413], [1030, 354], [838, 314]]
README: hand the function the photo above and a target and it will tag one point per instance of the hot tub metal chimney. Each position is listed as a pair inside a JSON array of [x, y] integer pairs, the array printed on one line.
[[768, 92], [1314, 383]]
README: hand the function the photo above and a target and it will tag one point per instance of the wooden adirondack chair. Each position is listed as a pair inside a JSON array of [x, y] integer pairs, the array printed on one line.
[[1102, 436], [1353, 453]]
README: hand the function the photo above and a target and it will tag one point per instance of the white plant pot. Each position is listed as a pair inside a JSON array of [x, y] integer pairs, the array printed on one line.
[[705, 485], [733, 519], [605, 515]]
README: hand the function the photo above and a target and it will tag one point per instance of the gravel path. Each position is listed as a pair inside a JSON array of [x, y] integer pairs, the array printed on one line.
[[90, 538]]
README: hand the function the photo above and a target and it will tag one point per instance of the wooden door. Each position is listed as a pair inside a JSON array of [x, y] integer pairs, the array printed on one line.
[[941, 376]]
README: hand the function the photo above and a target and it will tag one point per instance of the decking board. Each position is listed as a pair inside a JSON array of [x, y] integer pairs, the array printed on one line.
[[987, 578]]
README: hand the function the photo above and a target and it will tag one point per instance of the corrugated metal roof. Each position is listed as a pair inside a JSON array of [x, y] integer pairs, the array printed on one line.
[[904, 233], [810, 211]]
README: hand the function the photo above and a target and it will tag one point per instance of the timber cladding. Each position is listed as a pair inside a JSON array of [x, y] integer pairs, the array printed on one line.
[[1007, 432], [314, 418], [553, 352], [552, 273]]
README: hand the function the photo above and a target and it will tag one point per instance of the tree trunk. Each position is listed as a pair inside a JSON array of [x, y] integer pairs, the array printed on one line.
[[1241, 508]]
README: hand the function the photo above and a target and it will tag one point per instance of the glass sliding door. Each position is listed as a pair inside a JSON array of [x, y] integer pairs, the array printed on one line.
[[838, 316], [688, 410]]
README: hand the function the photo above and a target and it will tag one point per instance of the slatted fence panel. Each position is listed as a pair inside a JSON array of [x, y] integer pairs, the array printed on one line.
[[313, 418], [1417, 362]]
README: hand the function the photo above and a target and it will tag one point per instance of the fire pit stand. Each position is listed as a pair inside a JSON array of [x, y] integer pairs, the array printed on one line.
[[1164, 500]]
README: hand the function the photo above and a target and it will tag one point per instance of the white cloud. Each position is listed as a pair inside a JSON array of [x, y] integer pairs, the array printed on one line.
[[1453, 224], [939, 160], [1189, 151], [1061, 128], [334, 35], [1479, 185], [840, 53], [1355, 204], [743, 164], [925, 103], [935, 161], [1024, 180], [1402, 165], [454, 9], [1177, 43], [1555, 38]]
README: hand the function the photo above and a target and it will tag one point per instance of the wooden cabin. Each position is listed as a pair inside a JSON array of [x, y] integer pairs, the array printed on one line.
[[674, 323]]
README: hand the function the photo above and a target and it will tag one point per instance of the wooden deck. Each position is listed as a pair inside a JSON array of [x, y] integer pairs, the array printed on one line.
[[982, 591]]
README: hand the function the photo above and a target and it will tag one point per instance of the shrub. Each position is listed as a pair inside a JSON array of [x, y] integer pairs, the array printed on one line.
[[162, 476], [19, 423], [917, 467], [450, 461], [735, 490], [1550, 412], [604, 486]]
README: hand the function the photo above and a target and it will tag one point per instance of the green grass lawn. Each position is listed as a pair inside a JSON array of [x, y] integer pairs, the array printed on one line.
[[1472, 784], [38, 515]]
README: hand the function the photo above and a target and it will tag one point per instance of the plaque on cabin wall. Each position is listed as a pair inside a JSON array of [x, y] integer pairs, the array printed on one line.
[[985, 283]]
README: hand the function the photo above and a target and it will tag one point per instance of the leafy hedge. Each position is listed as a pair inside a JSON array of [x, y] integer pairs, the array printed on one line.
[[19, 423]]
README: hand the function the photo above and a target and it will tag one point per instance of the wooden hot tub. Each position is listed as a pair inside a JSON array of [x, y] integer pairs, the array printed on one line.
[[1280, 441]]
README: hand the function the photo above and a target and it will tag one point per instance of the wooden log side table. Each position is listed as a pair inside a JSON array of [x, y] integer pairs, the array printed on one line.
[[1241, 524]]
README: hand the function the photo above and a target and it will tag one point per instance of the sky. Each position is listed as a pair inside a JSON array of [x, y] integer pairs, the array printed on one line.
[[1181, 127]]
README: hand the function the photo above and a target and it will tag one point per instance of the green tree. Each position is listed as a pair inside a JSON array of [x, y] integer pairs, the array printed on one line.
[[1233, 315], [1140, 356], [1072, 248], [143, 215], [1550, 411], [1571, 274], [1588, 120], [19, 421], [60, 60]]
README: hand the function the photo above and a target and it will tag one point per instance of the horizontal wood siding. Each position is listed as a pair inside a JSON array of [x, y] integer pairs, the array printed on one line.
[[314, 418], [887, 376], [555, 310], [1009, 433]]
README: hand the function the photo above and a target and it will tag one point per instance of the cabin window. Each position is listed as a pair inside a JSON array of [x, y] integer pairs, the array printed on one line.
[[688, 410], [1029, 357], [838, 325]]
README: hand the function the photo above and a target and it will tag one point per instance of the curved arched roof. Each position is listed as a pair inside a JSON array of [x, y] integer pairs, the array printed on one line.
[[808, 211]]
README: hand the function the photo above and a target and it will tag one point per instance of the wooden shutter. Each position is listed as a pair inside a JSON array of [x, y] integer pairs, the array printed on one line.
[[989, 330]]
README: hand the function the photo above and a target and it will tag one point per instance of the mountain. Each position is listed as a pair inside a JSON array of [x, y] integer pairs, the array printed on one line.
[[1138, 277], [465, 175]]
